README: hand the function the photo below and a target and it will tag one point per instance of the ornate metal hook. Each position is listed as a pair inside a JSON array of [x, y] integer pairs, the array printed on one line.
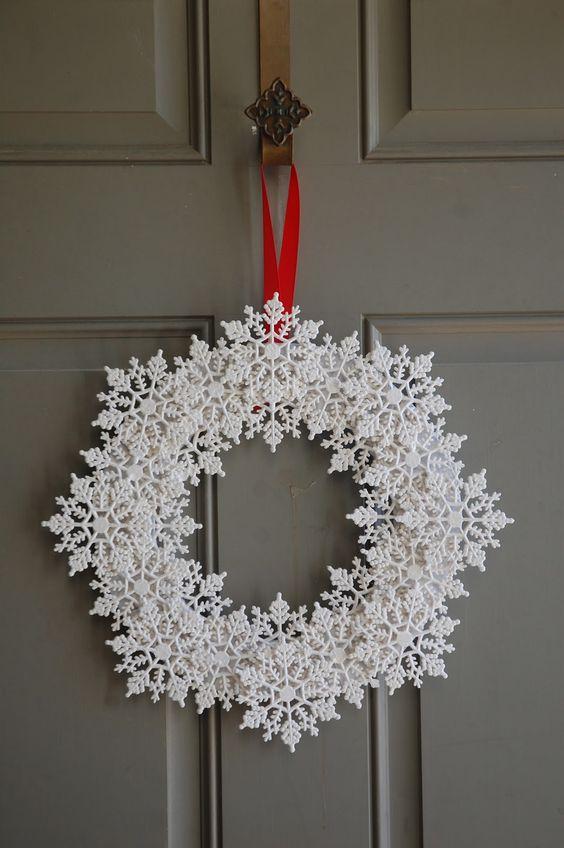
[[278, 112]]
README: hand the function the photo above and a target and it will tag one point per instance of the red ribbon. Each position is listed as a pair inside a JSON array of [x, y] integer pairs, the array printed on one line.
[[280, 276]]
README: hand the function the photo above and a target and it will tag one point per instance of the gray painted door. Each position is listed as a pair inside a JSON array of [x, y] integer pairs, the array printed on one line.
[[433, 188]]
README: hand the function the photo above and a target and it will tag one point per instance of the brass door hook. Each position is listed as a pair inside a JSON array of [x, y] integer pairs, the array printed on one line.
[[277, 112]]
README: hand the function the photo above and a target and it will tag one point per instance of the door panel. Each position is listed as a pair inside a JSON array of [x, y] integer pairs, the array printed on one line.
[[432, 196], [490, 730], [111, 81], [465, 80], [81, 765]]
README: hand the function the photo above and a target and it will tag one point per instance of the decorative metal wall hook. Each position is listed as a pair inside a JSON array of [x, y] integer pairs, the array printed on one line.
[[278, 111]]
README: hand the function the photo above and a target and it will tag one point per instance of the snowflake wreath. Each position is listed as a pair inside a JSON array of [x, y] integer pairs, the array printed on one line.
[[420, 523]]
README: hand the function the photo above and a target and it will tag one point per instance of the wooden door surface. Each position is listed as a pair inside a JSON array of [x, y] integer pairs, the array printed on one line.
[[432, 196]]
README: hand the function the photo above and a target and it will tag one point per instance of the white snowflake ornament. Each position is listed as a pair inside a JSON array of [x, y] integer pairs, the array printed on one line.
[[420, 522]]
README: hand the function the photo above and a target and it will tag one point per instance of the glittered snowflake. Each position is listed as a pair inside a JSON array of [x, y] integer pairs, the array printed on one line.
[[420, 523]]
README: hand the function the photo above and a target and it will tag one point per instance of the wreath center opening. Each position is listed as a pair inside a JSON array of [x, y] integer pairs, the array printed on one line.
[[281, 521]]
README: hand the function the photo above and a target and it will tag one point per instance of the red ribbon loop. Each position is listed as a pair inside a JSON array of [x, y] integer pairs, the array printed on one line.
[[280, 276]]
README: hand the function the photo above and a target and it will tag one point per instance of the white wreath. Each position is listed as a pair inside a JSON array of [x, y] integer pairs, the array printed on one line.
[[420, 523]]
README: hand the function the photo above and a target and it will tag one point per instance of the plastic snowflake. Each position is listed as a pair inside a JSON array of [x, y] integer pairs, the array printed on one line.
[[420, 523]]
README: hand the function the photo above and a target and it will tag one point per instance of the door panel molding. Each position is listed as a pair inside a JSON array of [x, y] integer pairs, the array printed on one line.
[[395, 129], [396, 802], [395, 768], [504, 336]]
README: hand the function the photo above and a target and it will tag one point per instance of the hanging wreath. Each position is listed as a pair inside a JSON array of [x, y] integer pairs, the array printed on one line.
[[420, 523]]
